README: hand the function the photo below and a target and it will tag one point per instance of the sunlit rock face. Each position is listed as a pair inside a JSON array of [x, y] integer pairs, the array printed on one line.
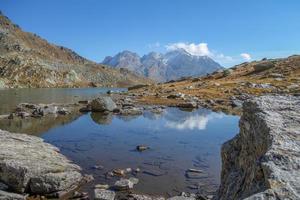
[[29, 165], [262, 161]]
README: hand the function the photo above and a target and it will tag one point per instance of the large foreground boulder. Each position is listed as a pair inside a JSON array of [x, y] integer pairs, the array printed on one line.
[[29, 165], [102, 104], [263, 160]]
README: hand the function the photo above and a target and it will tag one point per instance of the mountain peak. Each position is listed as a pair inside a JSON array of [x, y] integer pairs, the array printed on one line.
[[174, 64]]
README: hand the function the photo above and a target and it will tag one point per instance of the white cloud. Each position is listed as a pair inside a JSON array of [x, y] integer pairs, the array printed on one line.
[[193, 122], [198, 122], [246, 56], [200, 49]]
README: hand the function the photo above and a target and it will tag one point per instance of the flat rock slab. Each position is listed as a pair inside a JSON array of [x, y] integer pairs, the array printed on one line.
[[28, 164]]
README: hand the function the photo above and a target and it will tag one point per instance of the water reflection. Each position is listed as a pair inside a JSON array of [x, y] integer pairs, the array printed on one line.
[[9, 98], [102, 119], [194, 120], [174, 141]]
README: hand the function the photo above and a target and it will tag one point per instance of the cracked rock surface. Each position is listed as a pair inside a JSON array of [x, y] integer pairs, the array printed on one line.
[[263, 160]]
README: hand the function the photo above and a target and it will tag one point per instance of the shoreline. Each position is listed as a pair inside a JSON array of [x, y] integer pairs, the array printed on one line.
[[129, 107]]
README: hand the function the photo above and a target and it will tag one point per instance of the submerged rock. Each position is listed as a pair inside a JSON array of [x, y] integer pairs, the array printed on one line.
[[30, 165], [126, 184], [142, 148], [262, 161], [101, 194]]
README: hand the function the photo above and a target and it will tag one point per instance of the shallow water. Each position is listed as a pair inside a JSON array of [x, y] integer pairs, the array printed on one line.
[[9, 98], [178, 140]]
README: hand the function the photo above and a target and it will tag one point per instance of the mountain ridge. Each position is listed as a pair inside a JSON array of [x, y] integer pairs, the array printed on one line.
[[163, 67], [27, 60]]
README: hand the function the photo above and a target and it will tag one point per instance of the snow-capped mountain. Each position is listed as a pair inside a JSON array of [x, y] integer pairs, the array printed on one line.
[[164, 67]]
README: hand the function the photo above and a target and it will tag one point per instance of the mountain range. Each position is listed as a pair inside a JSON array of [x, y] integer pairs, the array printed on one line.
[[160, 67], [27, 60]]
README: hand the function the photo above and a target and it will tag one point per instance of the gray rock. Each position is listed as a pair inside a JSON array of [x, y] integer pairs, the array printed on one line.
[[101, 194], [28, 162], [126, 184], [262, 161], [131, 111], [188, 105], [145, 197], [236, 103], [184, 196], [3, 186], [141, 147], [102, 104], [11, 196]]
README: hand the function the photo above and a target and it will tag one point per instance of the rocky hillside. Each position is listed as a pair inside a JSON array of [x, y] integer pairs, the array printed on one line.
[[164, 67], [26, 60], [262, 161], [226, 89]]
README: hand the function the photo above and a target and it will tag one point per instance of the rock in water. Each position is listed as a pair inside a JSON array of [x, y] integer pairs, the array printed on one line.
[[101, 194], [262, 161], [141, 148], [126, 184], [30, 165], [102, 104]]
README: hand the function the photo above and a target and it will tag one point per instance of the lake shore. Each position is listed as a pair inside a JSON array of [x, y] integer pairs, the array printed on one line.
[[124, 104]]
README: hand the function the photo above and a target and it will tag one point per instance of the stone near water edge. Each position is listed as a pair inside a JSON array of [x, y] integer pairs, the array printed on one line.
[[261, 161], [119, 172], [125, 184], [154, 172], [3, 186], [102, 186], [184, 196], [98, 167], [144, 197], [11, 196], [131, 111], [83, 102], [134, 180], [236, 103], [190, 104], [102, 104], [41, 167], [195, 175], [101, 194], [195, 170], [80, 195]]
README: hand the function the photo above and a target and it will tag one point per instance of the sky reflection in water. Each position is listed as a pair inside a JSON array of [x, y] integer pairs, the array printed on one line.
[[178, 140]]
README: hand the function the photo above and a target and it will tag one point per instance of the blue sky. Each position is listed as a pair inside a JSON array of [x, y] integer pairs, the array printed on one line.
[[221, 29]]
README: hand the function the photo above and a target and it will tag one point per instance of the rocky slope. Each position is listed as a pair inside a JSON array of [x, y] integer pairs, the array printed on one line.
[[164, 67], [263, 160], [26, 60], [226, 89]]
